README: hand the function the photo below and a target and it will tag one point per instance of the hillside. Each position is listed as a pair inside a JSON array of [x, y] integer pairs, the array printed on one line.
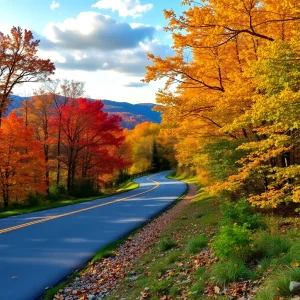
[[132, 114]]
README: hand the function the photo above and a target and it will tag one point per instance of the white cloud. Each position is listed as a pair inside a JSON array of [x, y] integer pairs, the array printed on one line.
[[54, 5], [54, 56], [125, 8], [96, 42], [96, 31], [129, 62]]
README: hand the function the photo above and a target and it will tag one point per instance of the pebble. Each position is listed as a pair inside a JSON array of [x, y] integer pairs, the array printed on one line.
[[92, 297], [134, 278], [294, 287]]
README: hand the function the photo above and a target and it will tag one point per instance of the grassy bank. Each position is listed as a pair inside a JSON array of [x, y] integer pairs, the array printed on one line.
[[214, 251], [125, 187], [170, 267]]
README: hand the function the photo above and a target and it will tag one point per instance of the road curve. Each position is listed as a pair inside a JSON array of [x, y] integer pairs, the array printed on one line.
[[39, 249]]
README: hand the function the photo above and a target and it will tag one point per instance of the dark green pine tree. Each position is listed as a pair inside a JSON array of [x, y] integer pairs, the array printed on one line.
[[155, 161]]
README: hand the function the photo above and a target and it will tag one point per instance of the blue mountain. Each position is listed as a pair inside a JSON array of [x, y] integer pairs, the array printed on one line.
[[132, 114]]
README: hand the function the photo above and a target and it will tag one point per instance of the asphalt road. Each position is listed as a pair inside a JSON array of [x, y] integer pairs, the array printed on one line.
[[37, 250]]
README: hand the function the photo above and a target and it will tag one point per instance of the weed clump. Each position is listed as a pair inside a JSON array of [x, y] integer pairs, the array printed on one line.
[[166, 245], [197, 244], [229, 271]]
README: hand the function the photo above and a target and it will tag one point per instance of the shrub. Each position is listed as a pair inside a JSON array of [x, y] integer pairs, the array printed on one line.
[[197, 244], [166, 244], [83, 189], [271, 246], [33, 200], [233, 242], [240, 213], [58, 192], [229, 271]]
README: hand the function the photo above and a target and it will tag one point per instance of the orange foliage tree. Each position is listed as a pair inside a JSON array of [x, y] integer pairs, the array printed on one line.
[[236, 67], [22, 168]]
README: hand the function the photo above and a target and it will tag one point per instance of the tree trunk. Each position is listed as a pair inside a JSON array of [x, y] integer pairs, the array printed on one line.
[[58, 157], [5, 198]]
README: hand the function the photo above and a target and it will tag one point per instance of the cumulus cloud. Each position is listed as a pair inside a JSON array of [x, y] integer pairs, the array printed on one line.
[[93, 42], [135, 84], [54, 5], [132, 8], [94, 30], [129, 62]]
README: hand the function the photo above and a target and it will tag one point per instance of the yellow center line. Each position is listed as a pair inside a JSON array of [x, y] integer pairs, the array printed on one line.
[[157, 184]]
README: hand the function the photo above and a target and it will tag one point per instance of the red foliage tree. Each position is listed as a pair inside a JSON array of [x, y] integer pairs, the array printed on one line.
[[89, 138]]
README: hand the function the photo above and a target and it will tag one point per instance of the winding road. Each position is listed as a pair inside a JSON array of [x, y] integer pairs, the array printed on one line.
[[37, 250]]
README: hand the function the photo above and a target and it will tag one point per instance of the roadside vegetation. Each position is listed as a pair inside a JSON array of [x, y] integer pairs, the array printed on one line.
[[60, 198], [215, 248]]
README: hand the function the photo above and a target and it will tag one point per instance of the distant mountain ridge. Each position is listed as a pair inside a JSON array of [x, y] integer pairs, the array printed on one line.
[[132, 114]]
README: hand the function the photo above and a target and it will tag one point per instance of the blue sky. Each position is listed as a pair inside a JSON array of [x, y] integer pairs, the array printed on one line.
[[103, 43]]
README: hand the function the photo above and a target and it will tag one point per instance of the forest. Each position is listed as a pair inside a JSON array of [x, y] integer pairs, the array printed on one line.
[[235, 112]]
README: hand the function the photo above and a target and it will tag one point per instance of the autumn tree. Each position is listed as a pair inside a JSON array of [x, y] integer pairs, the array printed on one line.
[[88, 137], [22, 169], [19, 63], [219, 96], [62, 91], [146, 149], [273, 157], [37, 111]]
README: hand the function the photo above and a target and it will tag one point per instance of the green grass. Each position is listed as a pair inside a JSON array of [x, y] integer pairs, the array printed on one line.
[[229, 271], [197, 244], [184, 177], [271, 246], [277, 285], [173, 257], [125, 187], [166, 245]]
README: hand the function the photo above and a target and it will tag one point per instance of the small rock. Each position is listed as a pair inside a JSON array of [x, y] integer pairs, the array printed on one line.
[[132, 273], [134, 278], [92, 297], [294, 287], [146, 289]]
